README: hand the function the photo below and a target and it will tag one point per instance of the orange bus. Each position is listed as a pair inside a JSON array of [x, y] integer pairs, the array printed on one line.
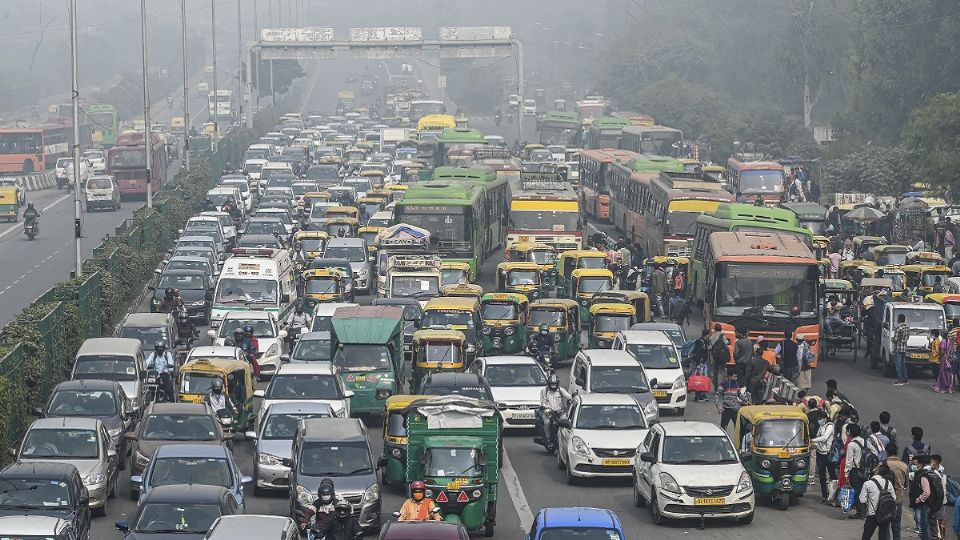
[[764, 284], [127, 163], [629, 185], [27, 150], [677, 199], [594, 170], [750, 179]]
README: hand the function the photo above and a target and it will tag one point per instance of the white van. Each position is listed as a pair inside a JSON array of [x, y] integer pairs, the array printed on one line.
[[259, 279], [658, 355]]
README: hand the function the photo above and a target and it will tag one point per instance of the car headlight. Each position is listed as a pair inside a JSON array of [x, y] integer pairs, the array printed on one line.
[[579, 446], [668, 483], [264, 458], [372, 494], [509, 331], [486, 330], [651, 408], [305, 496], [274, 350], [679, 383], [93, 479], [114, 433], [745, 483]]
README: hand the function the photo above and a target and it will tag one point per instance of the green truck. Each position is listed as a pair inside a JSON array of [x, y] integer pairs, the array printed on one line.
[[369, 354]]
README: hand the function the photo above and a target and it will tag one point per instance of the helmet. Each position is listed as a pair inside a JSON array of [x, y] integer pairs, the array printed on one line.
[[544, 329], [248, 330], [238, 331], [299, 308], [160, 346], [169, 292], [418, 490], [553, 382], [217, 386], [30, 205], [342, 509], [325, 491]]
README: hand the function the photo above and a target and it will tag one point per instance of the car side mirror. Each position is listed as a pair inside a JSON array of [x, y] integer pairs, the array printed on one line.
[[648, 457], [580, 382], [565, 423], [349, 394], [381, 463], [287, 462], [84, 499], [259, 393], [12, 452], [284, 357], [136, 480], [282, 334], [246, 480], [122, 526], [653, 383], [38, 411], [212, 334], [251, 435]]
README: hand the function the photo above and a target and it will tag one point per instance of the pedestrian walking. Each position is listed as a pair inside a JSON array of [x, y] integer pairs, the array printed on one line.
[[742, 354], [937, 524], [679, 310], [730, 396], [719, 353], [757, 372], [805, 358], [900, 473], [701, 360], [901, 334], [853, 465], [823, 443], [924, 495], [658, 285], [878, 498], [786, 353]]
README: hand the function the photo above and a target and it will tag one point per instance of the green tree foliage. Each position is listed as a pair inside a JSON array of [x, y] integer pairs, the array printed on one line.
[[882, 170], [284, 73], [933, 136]]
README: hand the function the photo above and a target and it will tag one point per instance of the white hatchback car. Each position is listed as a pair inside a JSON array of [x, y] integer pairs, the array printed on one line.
[[598, 435], [516, 382], [317, 382], [269, 336], [691, 469], [658, 355]]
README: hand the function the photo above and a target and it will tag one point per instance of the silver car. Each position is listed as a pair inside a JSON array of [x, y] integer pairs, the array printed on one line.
[[82, 442], [274, 438], [46, 527]]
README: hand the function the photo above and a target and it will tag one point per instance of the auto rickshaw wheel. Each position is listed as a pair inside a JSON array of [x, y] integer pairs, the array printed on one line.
[[488, 529], [783, 502]]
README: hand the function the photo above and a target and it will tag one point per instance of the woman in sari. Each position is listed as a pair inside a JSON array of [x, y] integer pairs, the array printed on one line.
[[946, 350]]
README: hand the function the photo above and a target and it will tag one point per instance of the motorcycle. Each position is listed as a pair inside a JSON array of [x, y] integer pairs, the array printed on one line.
[[154, 388], [543, 358], [225, 417], [546, 426], [31, 229], [293, 334]]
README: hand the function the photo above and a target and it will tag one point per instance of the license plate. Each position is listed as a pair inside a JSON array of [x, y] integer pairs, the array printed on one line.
[[659, 393], [709, 501], [360, 378], [457, 483], [615, 462], [917, 355]]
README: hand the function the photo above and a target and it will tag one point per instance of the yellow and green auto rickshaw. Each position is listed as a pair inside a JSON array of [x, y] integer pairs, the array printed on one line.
[[312, 197], [375, 177], [639, 300], [454, 273], [562, 319], [370, 205], [543, 255], [322, 285], [343, 211], [504, 320], [342, 227], [462, 290], [455, 313], [606, 320], [9, 204], [774, 446], [865, 244], [894, 273], [195, 377], [568, 261], [436, 351], [310, 243], [520, 277], [369, 233], [395, 438], [925, 258], [584, 283], [852, 271], [890, 254], [932, 278]]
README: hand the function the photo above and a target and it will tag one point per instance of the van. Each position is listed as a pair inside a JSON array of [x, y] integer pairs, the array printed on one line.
[[361, 262], [609, 371], [659, 356], [339, 448], [102, 191], [922, 318], [254, 279], [253, 527], [113, 359]]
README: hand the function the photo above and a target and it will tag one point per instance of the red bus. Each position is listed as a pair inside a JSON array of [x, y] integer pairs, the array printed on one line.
[[750, 179], [127, 163], [594, 175], [27, 150]]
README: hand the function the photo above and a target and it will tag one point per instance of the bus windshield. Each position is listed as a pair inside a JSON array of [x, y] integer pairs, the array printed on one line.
[[443, 227], [20, 143], [128, 158], [544, 220], [774, 289], [760, 181]]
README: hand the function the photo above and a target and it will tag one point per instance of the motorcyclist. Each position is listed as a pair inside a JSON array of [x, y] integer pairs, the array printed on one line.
[[218, 400], [231, 208], [208, 206], [542, 343], [297, 321], [498, 116], [161, 361], [323, 508], [418, 507], [251, 346], [344, 526], [553, 399], [171, 302], [30, 214]]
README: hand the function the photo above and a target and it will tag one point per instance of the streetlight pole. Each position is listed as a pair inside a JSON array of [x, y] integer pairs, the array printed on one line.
[[186, 83], [256, 66], [216, 95], [239, 62], [147, 141], [78, 269]]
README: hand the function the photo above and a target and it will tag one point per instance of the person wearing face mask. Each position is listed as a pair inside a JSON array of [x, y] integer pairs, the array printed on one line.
[[418, 507], [344, 526], [218, 400], [823, 441], [324, 509]]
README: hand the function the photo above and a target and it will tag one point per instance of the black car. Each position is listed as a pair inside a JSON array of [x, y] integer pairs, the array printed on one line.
[[460, 384], [195, 289], [92, 398], [179, 511], [46, 489], [412, 313]]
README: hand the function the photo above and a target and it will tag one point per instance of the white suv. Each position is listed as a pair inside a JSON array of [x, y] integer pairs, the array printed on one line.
[[598, 435], [922, 318], [688, 470], [657, 353], [613, 372]]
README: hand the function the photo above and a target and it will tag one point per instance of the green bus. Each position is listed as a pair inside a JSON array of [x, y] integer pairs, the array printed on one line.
[[738, 217], [605, 132], [104, 124], [560, 127], [629, 185], [456, 145]]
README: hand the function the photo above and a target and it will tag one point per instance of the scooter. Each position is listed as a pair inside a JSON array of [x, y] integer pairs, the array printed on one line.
[[546, 426]]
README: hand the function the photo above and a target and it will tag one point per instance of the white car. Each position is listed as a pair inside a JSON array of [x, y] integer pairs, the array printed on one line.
[[598, 435], [613, 372], [516, 382], [229, 227], [216, 351], [244, 186], [529, 107], [60, 169], [691, 469], [265, 329], [97, 159], [316, 382], [658, 355]]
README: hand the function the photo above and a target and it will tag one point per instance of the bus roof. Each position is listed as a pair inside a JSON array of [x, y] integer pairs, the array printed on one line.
[[607, 155], [638, 129], [749, 212], [646, 163], [735, 163], [458, 173], [672, 182], [750, 244], [436, 121], [561, 116], [440, 192], [610, 122], [461, 135]]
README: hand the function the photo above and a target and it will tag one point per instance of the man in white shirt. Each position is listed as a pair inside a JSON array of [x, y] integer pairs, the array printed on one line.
[[870, 498], [853, 461], [823, 442]]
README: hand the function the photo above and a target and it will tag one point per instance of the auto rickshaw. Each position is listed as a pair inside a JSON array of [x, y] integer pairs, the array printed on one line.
[[950, 303], [544, 255], [670, 265], [462, 290], [455, 313], [895, 273], [376, 178], [322, 285], [640, 302], [454, 447], [370, 205], [606, 320], [380, 192], [395, 438], [774, 447], [195, 377], [520, 277], [397, 191], [568, 261], [923, 279], [821, 247], [890, 254], [369, 233], [343, 227], [343, 195], [584, 283], [454, 273], [925, 258], [504, 320], [562, 317], [314, 197], [853, 271], [865, 244], [436, 351], [343, 211], [9, 204], [311, 243], [842, 334]]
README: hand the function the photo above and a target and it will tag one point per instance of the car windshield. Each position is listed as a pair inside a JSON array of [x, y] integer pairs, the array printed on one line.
[[351, 357], [82, 403], [282, 216], [545, 220], [514, 375], [208, 471], [312, 350], [435, 318], [475, 391], [921, 318], [541, 256], [351, 253], [61, 444], [283, 426], [785, 433], [24, 493], [592, 263], [188, 265], [312, 244], [777, 290], [761, 181], [523, 277], [654, 356], [493, 311], [624, 379], [303, 386], [147, 336], [459, 462], [246, 291], [697, 450], [111, 368], [414, 286], [610, 417], [396, 424], [181, 281], [178, 427], [549, 317], [579, 533], [441, 352], [335, 459], [99, 183], [260, 228], [176, 518], [454, 276], [612, 323], [593, 284]]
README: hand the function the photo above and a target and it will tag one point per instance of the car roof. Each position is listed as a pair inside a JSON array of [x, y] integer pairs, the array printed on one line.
[[453, 379], [186, 493], [186, 258], [294, 407], [508, 360], [603, 398], [607, 357], [909, 305], [315, 336], [88, 384], [72, 422], [192, 450], [332, 429], [213, 350], [577, 517], [692, 428], [109, 345], [243, 526], [178, 408], [647, 337], [184, 272], [329, 308], [39, 469], [322, 368], [434, 530], [345, 241], [656, 326]]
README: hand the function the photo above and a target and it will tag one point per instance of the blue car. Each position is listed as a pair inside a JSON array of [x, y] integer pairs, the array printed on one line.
[[211, 465], [581, 522]]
